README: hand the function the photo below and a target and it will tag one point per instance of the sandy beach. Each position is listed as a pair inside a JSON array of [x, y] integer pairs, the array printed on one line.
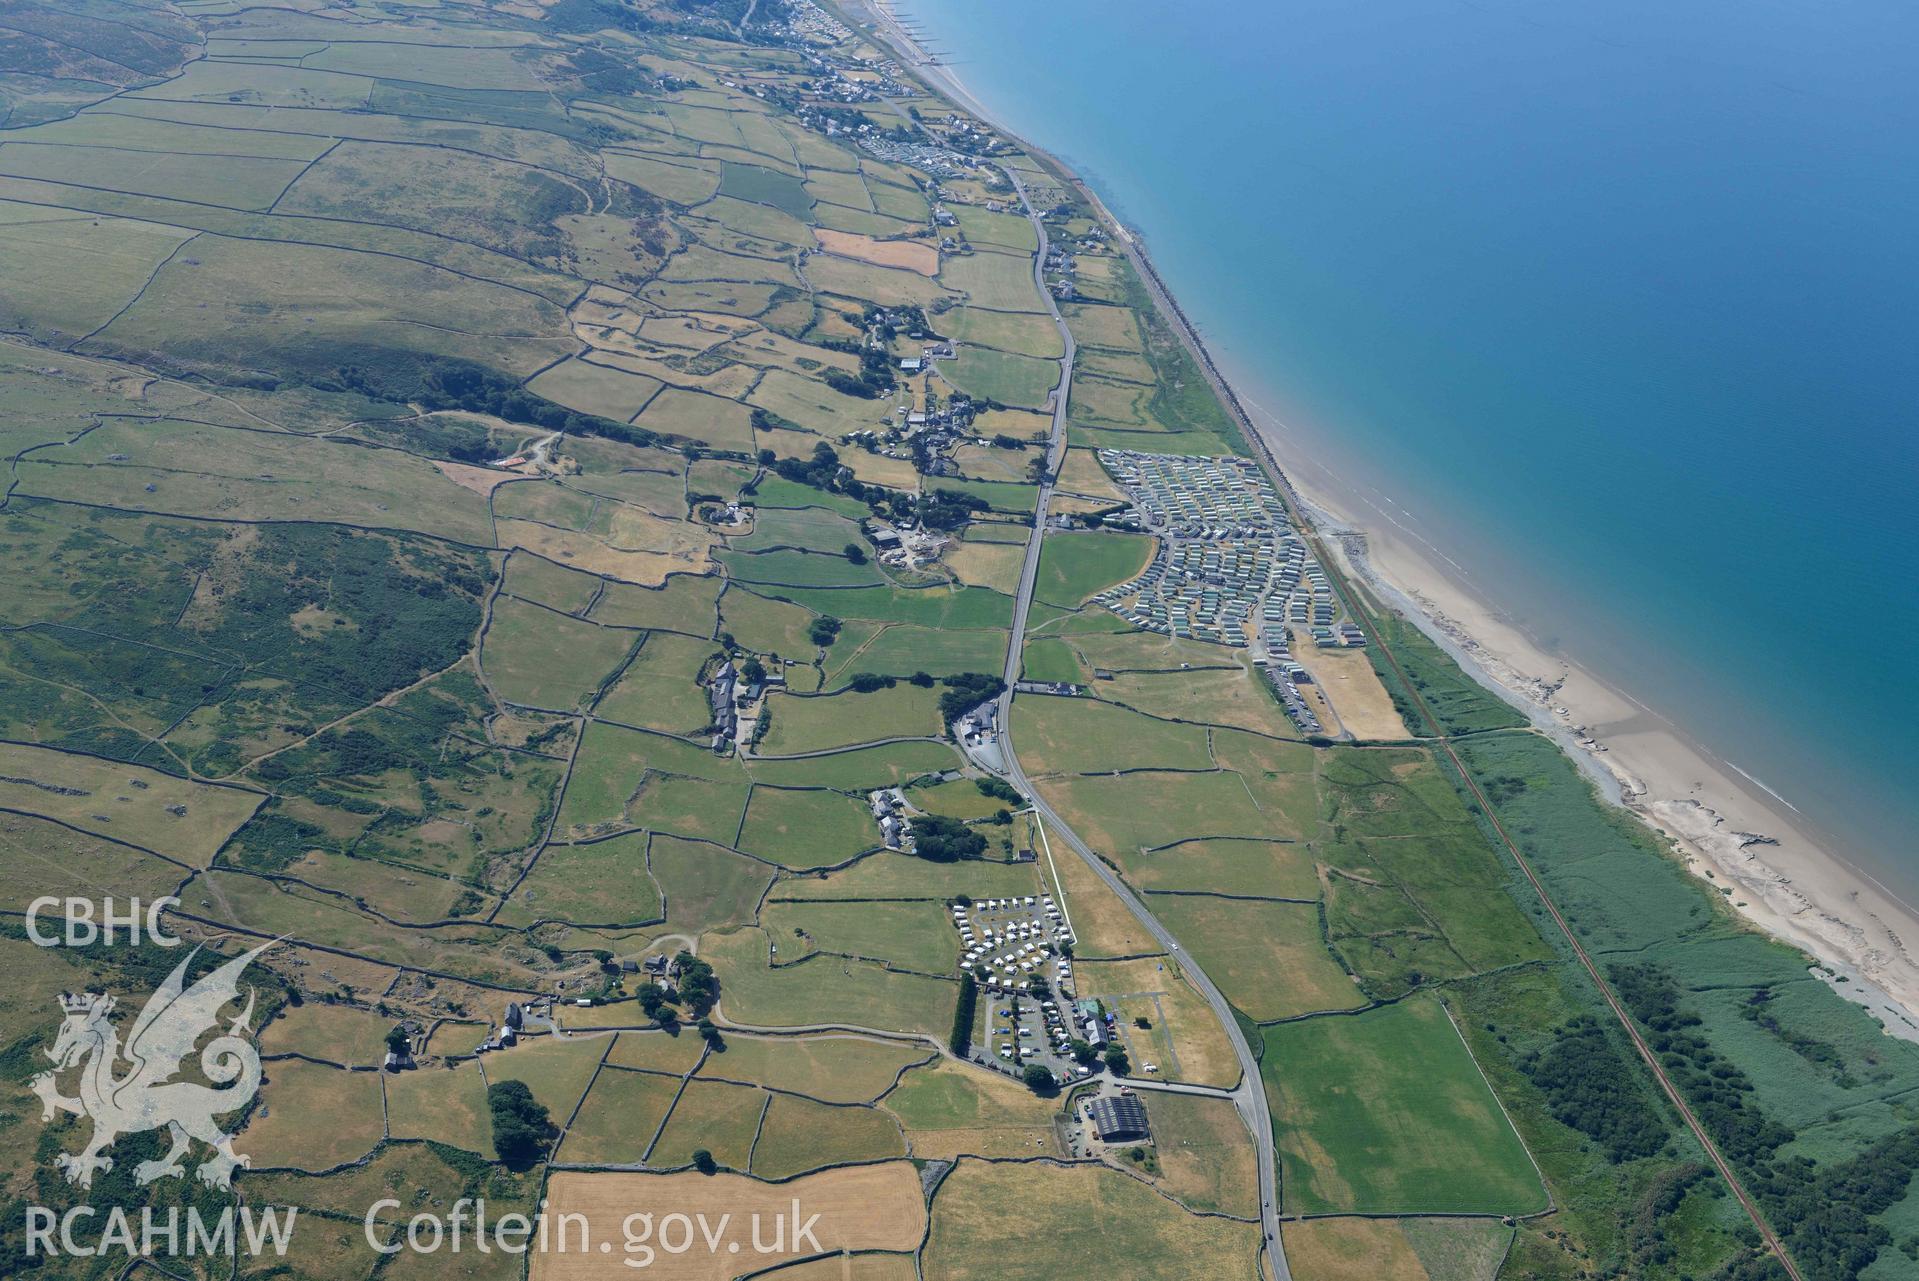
[[1726, 827]]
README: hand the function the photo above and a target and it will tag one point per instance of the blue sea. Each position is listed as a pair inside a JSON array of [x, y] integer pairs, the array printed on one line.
[[1616, 303]]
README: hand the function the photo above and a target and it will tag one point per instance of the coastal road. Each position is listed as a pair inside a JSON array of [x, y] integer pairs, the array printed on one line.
[[1250, 1094]]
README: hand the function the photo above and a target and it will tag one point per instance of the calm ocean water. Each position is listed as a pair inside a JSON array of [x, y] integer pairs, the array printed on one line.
[[1618, 302]]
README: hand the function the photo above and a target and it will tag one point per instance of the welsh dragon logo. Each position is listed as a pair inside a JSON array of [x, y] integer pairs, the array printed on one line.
[[145, 1096]]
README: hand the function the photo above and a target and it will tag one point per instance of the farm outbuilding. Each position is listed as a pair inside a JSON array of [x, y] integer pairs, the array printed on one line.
[[1120, 1119]]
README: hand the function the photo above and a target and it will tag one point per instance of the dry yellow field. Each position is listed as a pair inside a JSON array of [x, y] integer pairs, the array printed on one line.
[[185, 821], [1352, 1250], [1103, 923], [678, 547], [1343, 1249], [1082, 474], [1038, 1219], [1347, 678], [481, 480], [950, 1111], [858, 1267], [878, 469], [994, 565], [312, 1117], [1200, 1051], [869, 1207], [914, 255], [331, 1033]]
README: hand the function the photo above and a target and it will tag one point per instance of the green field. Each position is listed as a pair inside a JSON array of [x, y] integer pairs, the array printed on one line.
[[262, 320], [813, 405], [903, 649], [832, 1069], [545, 583], [313, 1117], [962, 609], [901, 876], [767, 626], [1073, 567], [828, 721], [596, 389], [623, 777], [603, 883], [776, 492], [944, 1096], [1207, 1160], [546, 504], [672, 1051], [860, 768], [1003, 377], [1447, 879], [1149, 809], [1027, 333], [721, 1118], [1385, 1113], [997, 281], [1047, 658], [332, 1033], [195, 470], [65, 278], [808, 528], [184, 820], [1114, 404], [766, 187], [1098, 326], [1059, 735], [823, 989], [620, 1117], [806, 828], [685, 183], [1017, 497], [798, 1135], [684, 603], [556, 1070], [1115, 365], [1007, 230], [660, 688], [702, 419], [1268, 958], [776, 569], [706, 885], [907, 936], [1269, 869], [958, 798], [543, 659], [868, 283]]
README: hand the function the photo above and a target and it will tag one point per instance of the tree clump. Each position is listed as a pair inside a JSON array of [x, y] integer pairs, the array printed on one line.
[[521, 1125]]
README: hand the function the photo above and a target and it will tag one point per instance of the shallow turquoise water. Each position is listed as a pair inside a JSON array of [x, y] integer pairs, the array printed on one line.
[[1619, 304]]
